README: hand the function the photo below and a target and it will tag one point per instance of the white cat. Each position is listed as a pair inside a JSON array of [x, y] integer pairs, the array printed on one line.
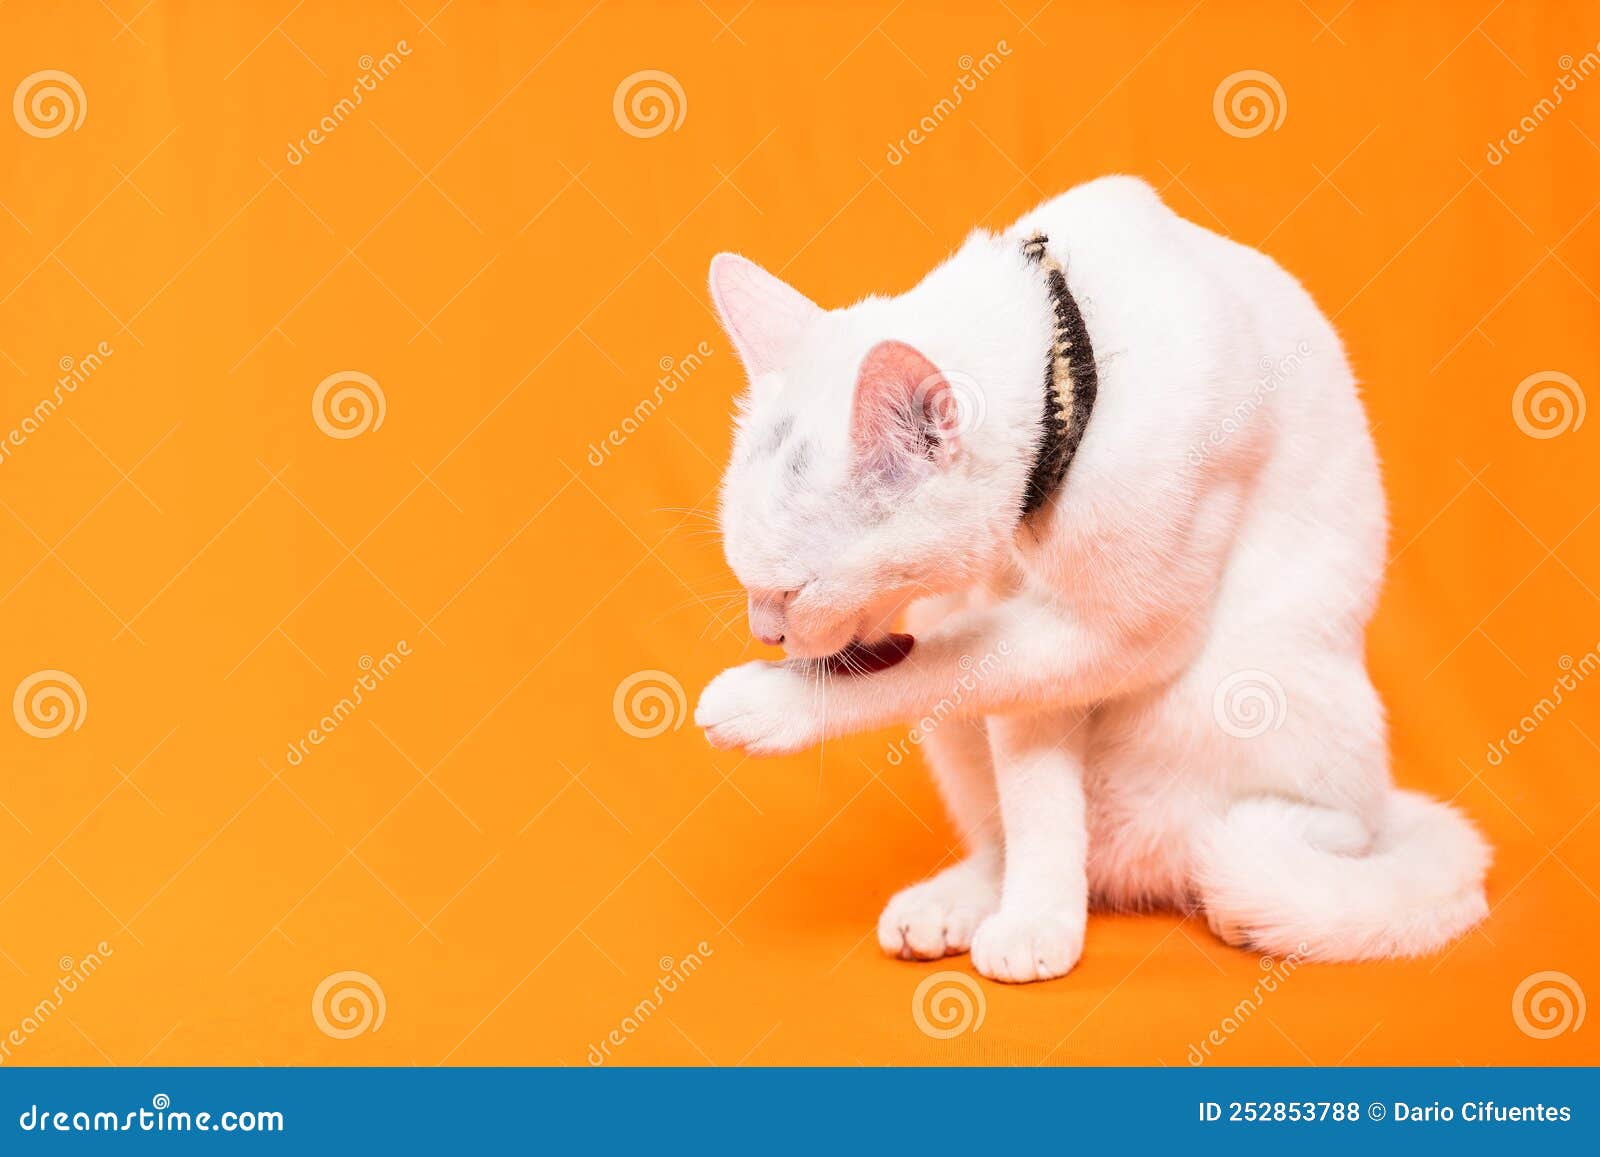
[[1138, 662]]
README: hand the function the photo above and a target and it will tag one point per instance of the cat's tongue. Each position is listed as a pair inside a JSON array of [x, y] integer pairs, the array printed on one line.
[[869, 658]]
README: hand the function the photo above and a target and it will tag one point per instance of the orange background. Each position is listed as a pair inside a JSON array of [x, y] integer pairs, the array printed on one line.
[[480, 236]]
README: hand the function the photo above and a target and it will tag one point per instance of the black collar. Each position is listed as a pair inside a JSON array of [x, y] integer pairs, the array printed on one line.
[[1070, 383]]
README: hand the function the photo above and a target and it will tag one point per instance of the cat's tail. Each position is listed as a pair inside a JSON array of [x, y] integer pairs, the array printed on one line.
[[1288, 878]]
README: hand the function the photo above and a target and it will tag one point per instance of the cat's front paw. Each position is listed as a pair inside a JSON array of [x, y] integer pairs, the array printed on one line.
[[937, 917], [762, 708], [1016, 947]]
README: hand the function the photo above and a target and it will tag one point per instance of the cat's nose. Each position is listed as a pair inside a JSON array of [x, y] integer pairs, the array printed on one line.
[[767, 615]]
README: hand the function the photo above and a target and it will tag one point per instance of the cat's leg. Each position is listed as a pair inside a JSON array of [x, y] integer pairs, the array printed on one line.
[[937, 917], [1037, 933], [1011, 655]]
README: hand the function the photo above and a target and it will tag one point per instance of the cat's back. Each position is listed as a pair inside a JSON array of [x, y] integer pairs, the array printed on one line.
[[1172, 310], [1119, 238], [1169, 298], [1117, 203], [1215, 362]]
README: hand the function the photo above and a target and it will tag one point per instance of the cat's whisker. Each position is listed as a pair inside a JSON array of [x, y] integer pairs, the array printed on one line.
[[723, 622], [696, 535], [718, 597]]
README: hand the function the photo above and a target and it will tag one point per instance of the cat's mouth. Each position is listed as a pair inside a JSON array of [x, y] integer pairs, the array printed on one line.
[[868, 658]]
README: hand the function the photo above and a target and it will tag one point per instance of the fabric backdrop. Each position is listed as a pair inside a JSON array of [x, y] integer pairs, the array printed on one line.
[[361, 351]]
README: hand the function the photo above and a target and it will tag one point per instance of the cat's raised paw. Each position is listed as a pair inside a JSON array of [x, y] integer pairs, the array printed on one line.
[[938, 917], [761, 708], [1017, 947]]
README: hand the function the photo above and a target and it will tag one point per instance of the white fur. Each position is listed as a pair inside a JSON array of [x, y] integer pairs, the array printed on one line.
[[1221, 530]]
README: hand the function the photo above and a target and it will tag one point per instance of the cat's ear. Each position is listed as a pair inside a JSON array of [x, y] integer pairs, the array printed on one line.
[[906, 410], [763, 315]]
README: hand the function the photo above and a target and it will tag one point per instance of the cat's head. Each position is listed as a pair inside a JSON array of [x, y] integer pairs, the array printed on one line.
[[853, 485]]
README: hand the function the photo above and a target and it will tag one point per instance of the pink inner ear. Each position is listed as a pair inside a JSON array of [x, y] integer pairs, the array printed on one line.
[[763, 315], [903, 404]]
